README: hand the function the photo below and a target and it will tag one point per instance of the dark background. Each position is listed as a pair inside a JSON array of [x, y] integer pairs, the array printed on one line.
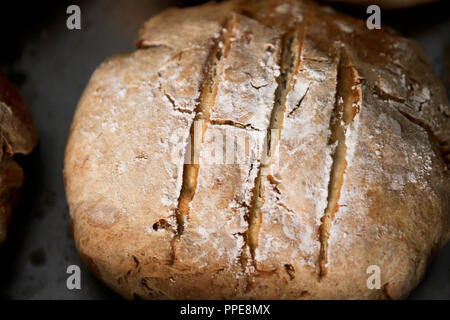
[[51, 65]]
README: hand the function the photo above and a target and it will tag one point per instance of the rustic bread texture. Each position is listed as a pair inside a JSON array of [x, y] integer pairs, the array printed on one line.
[[17, 135], [363, 130]]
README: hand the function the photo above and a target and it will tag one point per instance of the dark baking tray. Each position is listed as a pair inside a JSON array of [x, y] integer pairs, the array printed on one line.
[[51, 65]]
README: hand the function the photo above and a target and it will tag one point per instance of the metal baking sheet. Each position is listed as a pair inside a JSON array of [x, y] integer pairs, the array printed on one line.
[[51, 65]]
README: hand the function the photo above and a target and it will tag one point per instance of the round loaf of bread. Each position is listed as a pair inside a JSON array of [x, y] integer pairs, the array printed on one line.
[[17, 135], [261, 150]]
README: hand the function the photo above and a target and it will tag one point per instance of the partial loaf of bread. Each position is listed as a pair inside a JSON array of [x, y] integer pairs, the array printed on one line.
[[356, 178], [17, 135]]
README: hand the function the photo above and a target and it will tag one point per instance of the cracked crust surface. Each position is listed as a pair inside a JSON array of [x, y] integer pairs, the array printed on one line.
[[362, 134], [17, 135]]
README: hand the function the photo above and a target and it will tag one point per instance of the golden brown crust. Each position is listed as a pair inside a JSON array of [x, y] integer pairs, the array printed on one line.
[[362, 130], [17, 135]]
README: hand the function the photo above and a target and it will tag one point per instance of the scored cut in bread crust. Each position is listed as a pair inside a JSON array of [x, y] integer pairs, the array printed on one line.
[[361, 131], [17, 135]]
